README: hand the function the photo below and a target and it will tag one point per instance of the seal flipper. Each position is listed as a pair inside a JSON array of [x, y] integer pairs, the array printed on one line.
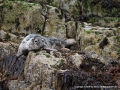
[[50, 49]]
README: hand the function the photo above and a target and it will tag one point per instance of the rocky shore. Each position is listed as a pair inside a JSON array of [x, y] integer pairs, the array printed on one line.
[[93, 61]]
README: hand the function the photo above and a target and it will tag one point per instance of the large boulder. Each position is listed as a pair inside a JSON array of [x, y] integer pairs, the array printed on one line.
[[40, 71]]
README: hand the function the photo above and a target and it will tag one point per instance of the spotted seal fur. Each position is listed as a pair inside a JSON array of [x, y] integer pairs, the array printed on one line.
[[35, 42]]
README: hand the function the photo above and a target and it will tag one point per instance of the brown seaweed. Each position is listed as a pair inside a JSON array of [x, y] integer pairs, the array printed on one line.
[[11, 68], [79, 78]]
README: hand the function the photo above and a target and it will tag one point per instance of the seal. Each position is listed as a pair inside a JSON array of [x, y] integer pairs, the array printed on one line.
[[35, 42]]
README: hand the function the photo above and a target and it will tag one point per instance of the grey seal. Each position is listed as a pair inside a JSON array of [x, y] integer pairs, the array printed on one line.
[[35, 42]]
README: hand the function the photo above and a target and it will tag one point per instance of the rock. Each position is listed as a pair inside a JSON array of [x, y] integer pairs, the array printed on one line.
[[22, 17], [71, 29], [13, 37], [103, 43], [77, 59], [40, 70], [55, 24], [70, 6], [7, 48], [104, 55], [1, 0], [1, 10], [8, 36], [2, 34]]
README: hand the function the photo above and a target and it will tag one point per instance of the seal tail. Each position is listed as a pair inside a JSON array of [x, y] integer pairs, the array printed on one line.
[[70, 42]]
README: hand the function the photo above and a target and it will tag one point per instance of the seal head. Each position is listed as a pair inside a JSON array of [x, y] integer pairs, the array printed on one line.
[[30, 44]]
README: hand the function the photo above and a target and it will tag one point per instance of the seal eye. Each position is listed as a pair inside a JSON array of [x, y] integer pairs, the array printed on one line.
[[36, 41]]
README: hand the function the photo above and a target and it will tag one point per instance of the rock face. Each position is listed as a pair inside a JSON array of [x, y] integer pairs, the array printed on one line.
[[55, 24], [92, 42], [1, 10], [51, 17], [40, 72], [96, 54], [22, 17], [52, 71], [7, 48]]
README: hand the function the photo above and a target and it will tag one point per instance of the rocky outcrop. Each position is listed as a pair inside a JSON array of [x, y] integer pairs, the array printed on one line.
[[50, 20], [91, 42], [22, 17], [38, 74], [55, 23], [4, 36], [7, 48], [1, 10], [90, 7], [54, 17], [95, 56], [54, 71]]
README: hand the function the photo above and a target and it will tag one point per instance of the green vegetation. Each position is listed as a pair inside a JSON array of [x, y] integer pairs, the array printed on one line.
[[55, 4], [89, 31], [58, 64], [47, 55], [117, 39], [106, 19], [94, 19], [118, 50], [37, 53]]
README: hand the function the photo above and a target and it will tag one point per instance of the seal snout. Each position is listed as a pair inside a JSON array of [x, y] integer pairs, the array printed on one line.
[[32, 39]]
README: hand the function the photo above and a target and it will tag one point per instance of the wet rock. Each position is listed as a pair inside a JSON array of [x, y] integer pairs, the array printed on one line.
[[86, 76], [13, 67], [103, 43]]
